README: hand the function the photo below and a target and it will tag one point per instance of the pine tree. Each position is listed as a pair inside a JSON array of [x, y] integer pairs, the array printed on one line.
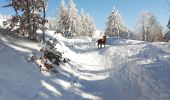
[[63, 19], [114, 25], [83, 22], [92, 27], [88, 26], [71, 24], [73, 18], [28, 16]]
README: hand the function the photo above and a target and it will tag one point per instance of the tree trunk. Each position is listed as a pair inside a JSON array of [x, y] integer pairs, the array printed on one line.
[[43, 21], [28, 20]]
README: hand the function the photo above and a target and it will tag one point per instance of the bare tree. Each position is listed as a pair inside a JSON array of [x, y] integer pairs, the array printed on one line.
[[148, 27]]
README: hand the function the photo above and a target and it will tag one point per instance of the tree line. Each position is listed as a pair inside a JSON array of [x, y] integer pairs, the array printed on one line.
[[68, 22], [28, 19], [147, 27]]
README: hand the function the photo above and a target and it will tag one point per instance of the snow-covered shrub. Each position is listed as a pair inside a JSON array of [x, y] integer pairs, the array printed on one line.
[[50, 52]]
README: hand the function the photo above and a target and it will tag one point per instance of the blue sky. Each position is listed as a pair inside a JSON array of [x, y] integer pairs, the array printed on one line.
[[101, 9]]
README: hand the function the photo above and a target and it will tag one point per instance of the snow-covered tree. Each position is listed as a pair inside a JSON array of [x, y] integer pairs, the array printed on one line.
[[28, 16], [115, 26], [83, 22], [73, 18], [91, 26], [70, 23], [49, 25], [87, 24], [159, 36], [149, 27], [167, 32], [63, 18]]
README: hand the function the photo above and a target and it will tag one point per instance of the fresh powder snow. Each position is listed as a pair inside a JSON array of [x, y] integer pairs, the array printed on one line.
[[123, 70]]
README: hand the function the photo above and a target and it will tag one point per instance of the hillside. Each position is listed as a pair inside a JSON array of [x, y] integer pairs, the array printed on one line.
[[123, 70]]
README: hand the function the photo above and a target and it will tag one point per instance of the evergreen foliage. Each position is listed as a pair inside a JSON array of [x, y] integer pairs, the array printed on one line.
[[27, 18]]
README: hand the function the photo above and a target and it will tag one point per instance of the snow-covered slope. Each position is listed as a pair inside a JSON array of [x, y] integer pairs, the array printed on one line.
[[17, 77], [123, 70]]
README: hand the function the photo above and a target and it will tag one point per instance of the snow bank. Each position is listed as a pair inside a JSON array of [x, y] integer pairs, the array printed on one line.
[[150, 51], [98, 34]]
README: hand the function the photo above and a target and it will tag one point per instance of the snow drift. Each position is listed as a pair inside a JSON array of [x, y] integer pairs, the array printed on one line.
[[123, 70]]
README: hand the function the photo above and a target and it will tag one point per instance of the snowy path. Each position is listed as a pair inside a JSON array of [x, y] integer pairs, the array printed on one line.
[[17, 77], [129, 70], [123, 70]]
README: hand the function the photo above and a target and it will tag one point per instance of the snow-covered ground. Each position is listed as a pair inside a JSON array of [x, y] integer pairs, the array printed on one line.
[[123, 70], [2, 19]]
